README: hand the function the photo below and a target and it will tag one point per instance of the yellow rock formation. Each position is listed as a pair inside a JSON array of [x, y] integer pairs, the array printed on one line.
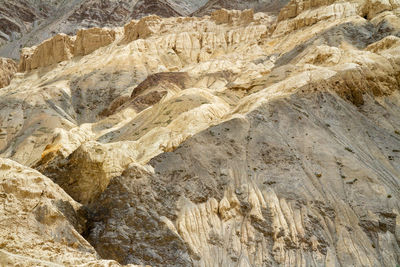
[[236, 139], [8, 68]]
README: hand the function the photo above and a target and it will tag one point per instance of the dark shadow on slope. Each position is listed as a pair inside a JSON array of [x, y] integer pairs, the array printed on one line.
[[144, 238], [94, 92]]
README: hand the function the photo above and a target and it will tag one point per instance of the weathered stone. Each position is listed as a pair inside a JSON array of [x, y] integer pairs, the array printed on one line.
[[233, 16], [141, 29], [52, 51], [90, 40], [8, 68], [236, 139]]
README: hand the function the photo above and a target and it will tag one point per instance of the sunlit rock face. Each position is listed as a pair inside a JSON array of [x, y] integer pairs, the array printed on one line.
[[8, 68], [240, 138]]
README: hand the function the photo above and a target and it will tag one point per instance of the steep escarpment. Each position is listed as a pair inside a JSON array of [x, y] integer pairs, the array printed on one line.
[[51, 51], [63, 47], [8, 68], [92, 39], [238, 138]]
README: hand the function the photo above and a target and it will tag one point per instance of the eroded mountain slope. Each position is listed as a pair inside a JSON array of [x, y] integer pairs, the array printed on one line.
[[40, 224], [234, 139], [25, 23], [265, 189]]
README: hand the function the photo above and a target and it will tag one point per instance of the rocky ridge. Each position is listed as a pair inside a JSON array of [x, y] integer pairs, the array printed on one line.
[[26, 22], [233, 139]]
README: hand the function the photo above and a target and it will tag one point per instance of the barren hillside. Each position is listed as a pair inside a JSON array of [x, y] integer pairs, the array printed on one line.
[[230, 139]]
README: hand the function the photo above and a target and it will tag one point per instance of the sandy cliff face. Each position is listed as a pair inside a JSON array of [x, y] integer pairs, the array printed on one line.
[[235, 139], [8, 68], [63, 47]]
